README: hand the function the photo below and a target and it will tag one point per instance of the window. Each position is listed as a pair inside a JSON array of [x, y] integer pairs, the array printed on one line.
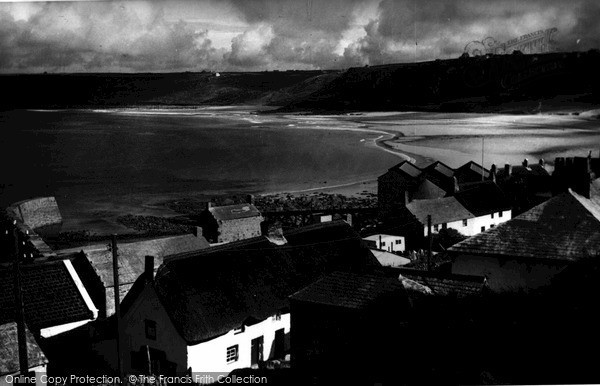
[[232, 354], [436, 227], [383, 243], [493, 225], [483, 229], [465, 222], [444, 226], [399, 241], [150, 329], [499, 214]]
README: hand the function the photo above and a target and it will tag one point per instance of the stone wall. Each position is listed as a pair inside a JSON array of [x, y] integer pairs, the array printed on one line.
[[37, 212], [239, 229]]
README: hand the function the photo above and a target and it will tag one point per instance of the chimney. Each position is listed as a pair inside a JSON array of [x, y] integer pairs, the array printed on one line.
[[580, 176], [507, 170], [525, 162], [455, 188], [197, 231], [149, 269], [542, 162], [493, 173], [250, 199], [406, 198]]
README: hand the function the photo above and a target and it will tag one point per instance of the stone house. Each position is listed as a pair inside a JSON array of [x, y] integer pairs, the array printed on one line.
[[530, 249], [226, 307], [224, 224]]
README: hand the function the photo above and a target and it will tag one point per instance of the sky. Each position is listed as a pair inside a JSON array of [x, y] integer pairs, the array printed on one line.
[[258, 35]]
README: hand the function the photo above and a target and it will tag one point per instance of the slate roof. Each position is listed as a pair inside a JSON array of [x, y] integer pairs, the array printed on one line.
[[233, 212], [132, 257], [445, 284], [474, 168], [483, 198], [50, 296], [442, 210], [407, 168], [210, 292], [9, 350], [351, 290], [520, 170], [441, 174], [564, 228]]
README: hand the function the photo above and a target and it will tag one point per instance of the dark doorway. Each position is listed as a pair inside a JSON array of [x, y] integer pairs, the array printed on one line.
[[279, 344], [257, 350]]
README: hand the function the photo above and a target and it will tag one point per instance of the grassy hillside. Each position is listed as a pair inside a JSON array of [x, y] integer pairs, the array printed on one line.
[[172, 89], [507, 83]]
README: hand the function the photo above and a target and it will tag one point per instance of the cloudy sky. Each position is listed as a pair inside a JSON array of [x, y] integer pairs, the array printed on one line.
[[250, 35]]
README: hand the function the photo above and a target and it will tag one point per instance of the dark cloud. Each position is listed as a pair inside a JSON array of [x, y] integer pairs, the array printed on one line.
[[277, 34], [100, 36]]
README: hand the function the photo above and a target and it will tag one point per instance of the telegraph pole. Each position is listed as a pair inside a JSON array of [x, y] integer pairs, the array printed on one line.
[[115, 256], [19, 313], [482, 149]]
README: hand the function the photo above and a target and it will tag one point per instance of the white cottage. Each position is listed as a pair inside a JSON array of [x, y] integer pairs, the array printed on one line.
[[226, 307]]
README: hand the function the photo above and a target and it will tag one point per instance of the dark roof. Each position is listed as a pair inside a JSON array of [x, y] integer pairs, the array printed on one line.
[[351, 290], [520, 170], [210, 292], [233, 212], [442, 210], [565, 228], [441, 174], [407, 168], [483, 198], [473, 168], [132, 255], [132, 258], [444, 283], [50, 296], [9, 350]]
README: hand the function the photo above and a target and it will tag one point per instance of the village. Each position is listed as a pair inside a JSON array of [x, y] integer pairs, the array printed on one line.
[[467, 275]]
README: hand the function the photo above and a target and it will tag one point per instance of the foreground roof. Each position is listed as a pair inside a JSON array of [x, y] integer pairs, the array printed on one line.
[[233, 212], [132, 255], [482, 198], [50, 296], [442, 210], [565, 228], [444, 283], [9, 350], [208, 293], [351, 290]]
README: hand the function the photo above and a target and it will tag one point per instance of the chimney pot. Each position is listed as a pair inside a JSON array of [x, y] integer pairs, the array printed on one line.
[[507, 170], [149, 268], [542, 162], [525, 162]]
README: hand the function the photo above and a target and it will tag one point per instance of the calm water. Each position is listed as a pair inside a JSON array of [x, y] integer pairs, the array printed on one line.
[[103, 164]]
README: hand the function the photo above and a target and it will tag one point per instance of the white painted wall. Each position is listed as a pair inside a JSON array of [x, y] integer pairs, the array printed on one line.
[[211, 356], [474, 225], [148, 306], [388, 243], [39, 371], [504, 274]]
